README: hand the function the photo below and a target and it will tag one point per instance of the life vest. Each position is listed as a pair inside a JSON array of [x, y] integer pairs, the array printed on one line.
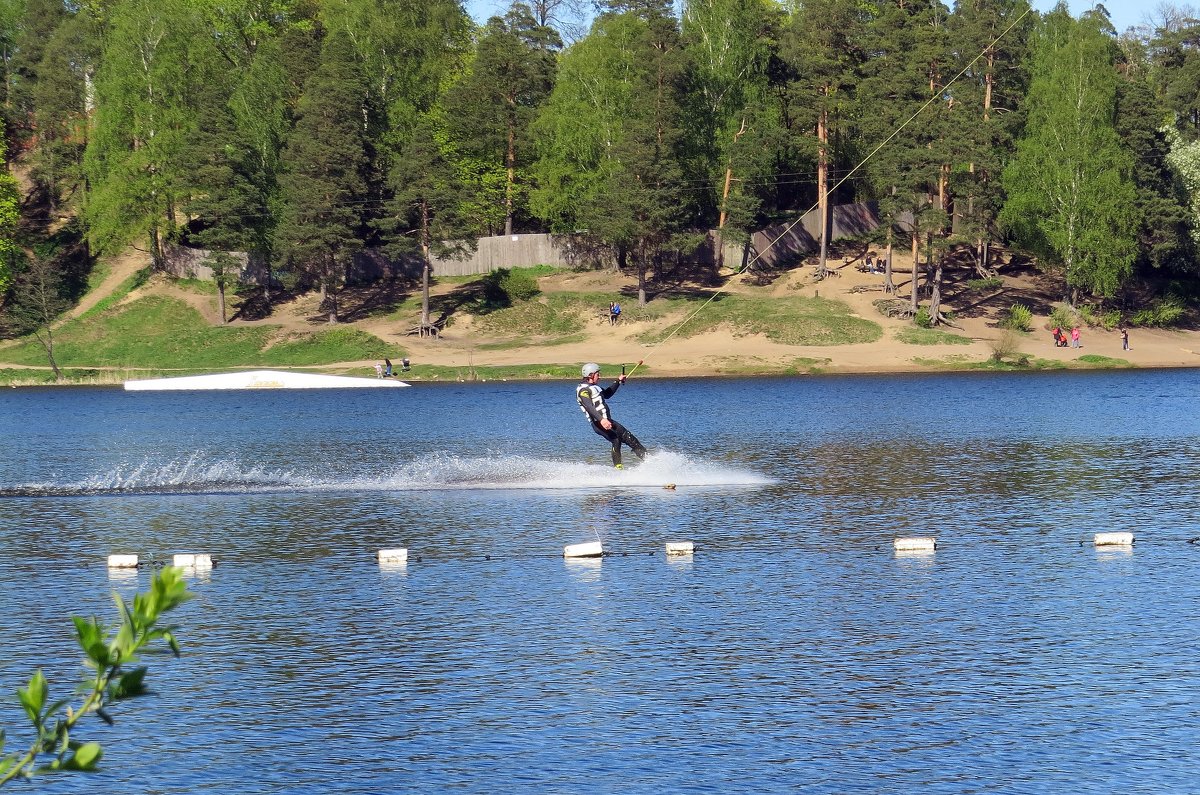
[[587, 393]]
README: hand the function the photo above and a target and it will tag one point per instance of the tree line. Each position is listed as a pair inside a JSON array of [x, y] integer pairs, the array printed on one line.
[[309, 130]]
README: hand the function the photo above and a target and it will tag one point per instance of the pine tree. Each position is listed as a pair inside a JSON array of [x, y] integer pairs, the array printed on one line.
[[990, 40], [61, 116], [907, 65], [609, 156], [1163, 241], [822, 49], [427, 207], [733, 124], [490, 111], [221, 186], [323, 184]]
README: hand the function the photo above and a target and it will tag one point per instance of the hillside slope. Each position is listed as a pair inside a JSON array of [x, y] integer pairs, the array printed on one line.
[[664, 336]]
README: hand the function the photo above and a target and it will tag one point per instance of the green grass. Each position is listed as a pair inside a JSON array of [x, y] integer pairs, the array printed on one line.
[[516, 372], [525, 342], [756, 366], [1103, 361], [200, 286], [556, 314], [123, 289], [930, 336], [788, 321], [991, 283], [164, 333], [98, 274]]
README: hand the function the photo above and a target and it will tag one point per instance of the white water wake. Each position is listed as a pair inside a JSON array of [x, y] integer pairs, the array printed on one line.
[[198, 474]]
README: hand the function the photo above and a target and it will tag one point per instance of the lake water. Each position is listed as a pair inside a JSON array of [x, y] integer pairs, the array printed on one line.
[[795, 650]]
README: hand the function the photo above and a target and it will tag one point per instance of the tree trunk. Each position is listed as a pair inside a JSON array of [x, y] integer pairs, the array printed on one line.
[[510, 186], [720, 258], [935, 296], [641, 267], [916, 260], [156, 250], [823, 183], [221, 300], [889, 284], [425, 246], [48, 344]]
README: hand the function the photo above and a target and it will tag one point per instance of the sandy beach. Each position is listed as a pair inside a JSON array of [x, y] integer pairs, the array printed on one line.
[[726, 351]]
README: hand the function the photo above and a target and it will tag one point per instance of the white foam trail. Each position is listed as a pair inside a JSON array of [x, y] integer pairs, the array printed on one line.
[[520, 472], [198, 473]]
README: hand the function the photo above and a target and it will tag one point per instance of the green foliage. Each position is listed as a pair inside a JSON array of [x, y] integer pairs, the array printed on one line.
[[1018, 318], [552, 315], [980, 285], [504, 287], [109, 654], [1164, 313], [1006, 349], [490, 112], [1094, 317], [1071, 198], [1065, 317], [162, 332], [1103, 361], [325, 171], [922, 319], [789, 321], [930, 336]]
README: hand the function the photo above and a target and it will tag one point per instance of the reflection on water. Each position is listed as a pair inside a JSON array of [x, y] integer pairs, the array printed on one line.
[[795, 649]]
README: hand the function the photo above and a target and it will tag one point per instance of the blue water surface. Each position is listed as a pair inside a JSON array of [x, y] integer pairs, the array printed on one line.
[[793, 651]]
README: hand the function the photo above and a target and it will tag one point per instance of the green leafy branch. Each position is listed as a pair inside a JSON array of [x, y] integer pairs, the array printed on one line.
[[109, 655]]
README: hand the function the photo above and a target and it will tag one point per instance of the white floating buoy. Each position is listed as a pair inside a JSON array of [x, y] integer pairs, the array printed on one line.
[[392, 555], [1113, 539], [592, 549], [188, 560], [915, 544], [122, 561], [680, 547]]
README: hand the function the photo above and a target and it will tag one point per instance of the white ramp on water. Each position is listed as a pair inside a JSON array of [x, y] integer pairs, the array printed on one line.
[[259, 379]]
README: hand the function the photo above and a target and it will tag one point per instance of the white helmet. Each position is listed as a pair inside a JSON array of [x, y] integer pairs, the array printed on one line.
[[589, 368]]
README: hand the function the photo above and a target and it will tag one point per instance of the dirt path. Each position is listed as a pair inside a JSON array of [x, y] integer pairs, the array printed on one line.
[[120, 268]]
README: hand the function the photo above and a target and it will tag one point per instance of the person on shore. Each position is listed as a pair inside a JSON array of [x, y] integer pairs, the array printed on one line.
[[1124, 338], [378, 370], [614, 313], [593, 403], [1075, 337], [387, 368]]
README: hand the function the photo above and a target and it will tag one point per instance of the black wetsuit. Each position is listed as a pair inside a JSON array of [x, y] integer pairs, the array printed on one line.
[[592, 402]]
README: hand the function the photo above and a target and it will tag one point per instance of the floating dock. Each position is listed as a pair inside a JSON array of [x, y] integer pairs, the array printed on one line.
[[260, 379]]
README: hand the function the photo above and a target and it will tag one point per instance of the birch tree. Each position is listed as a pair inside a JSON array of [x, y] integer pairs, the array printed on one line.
[[1070, 193]]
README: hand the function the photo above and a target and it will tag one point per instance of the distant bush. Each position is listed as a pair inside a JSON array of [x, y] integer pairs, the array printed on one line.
[[923, 319], [990, 283], [1019, 318], [506, 287], [1165, 312], [1107, 320], [1064, 317], [1007, 348]]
